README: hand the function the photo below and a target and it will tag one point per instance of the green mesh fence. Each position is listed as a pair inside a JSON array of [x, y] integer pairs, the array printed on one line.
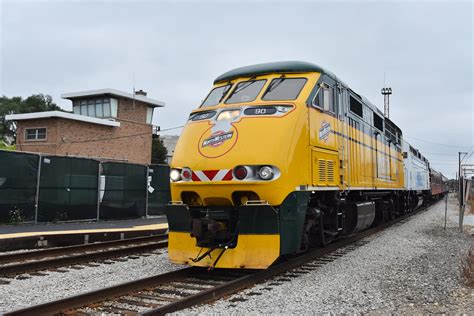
[[68, 189], [18, 179], [161, 195], [124, 191]]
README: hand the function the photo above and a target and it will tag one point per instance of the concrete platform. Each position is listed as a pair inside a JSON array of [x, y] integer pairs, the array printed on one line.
[[27, 236]]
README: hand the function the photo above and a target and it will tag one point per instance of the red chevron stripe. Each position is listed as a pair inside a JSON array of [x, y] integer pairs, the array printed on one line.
[[210, 173], [194, 177], [228, 176]]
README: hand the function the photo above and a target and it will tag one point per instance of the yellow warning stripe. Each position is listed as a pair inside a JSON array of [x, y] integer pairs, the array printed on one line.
[[85, 231]]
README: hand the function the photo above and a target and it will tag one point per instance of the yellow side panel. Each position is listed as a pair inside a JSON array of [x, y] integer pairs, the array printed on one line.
[[252, 251], [325, 168], [372, 163]]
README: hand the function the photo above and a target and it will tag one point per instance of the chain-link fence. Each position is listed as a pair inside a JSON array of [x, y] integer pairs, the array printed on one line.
[[45, 188]]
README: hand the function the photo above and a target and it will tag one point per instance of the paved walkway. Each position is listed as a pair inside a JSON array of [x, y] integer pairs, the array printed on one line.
[[26, 230]]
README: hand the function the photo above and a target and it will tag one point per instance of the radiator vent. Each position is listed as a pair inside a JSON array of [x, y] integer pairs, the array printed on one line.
[[330, 170], [322, 170]]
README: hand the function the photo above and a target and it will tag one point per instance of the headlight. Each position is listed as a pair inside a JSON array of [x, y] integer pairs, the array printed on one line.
[[228, 115], [265, 173], [175, 175]]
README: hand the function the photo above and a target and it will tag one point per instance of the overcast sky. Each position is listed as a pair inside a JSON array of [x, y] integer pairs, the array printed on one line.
[[176, 49]]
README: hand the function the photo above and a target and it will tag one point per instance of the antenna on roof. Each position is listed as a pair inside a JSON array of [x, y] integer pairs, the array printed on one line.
[[386, 92]]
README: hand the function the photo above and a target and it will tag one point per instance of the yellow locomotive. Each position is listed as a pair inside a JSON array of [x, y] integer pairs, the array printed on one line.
[[279, 157]]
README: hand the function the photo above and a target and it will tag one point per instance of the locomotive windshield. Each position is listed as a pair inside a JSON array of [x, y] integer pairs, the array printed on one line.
[[246, 91], [216, 95], [284, 89]]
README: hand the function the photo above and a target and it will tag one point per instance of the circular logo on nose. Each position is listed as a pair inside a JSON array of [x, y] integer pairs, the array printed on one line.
[[217, 141]]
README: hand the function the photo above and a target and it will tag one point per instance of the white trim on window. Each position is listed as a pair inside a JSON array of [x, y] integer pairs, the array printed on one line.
[[37, 134]]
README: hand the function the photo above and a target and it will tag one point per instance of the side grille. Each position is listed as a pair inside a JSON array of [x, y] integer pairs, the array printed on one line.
[[330, 170], [322, 170]]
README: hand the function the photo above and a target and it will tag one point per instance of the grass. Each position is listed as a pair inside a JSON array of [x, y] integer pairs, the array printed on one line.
[[7, 147], [468, 268]]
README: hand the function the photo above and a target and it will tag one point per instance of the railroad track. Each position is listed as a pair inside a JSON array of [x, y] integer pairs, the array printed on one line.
[[180, 289], [38, 260]]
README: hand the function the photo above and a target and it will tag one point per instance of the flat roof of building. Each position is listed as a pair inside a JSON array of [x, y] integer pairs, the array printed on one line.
[[64, 115], [112, 92]]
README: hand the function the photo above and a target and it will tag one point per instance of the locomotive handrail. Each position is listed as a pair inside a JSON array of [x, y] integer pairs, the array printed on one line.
[[256, 202], [176, 203]]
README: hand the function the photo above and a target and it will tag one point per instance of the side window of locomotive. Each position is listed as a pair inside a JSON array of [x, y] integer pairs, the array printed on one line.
[[216, 96], [355, 106], [284, 89], [328, 99], [378, 122], [246, 91], [325, 98]]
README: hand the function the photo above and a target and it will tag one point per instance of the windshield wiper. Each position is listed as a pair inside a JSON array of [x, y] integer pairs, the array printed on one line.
[[244, 86], [273, 85], [224, 93]]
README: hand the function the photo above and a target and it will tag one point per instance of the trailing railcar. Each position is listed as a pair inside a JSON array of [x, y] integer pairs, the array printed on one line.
[[438, 187], [417, 176], [280, 157]]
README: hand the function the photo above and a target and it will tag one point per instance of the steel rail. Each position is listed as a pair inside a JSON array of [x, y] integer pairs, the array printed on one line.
[[99, 295], [68, 260], [66, 305], [250, 280], [60, 251]]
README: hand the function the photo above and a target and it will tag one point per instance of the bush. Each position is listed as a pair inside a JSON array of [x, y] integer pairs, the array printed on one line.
[[16, 216]]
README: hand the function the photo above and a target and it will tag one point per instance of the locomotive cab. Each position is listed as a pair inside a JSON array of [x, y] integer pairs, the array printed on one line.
[[236, 163]]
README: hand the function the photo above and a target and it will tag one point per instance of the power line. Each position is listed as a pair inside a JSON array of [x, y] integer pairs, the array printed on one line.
[[444, 160], [427, 141], [119, 137], [169, 129], [441, 154], [106, 138]]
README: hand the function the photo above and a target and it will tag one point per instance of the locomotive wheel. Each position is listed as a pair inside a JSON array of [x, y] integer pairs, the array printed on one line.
[[310, 238]]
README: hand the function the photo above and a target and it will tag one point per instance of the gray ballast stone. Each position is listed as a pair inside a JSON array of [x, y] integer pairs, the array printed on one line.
[[410, 267], [40, 289]]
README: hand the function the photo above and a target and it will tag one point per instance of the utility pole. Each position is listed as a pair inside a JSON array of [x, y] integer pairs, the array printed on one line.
[[461, 190], [386, 101]]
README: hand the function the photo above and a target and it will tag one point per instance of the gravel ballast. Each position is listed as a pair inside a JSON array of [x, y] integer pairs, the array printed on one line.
[[56, 285], [412, 267]]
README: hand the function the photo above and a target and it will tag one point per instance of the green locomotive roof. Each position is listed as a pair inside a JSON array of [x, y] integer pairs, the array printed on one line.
[[269, 68]]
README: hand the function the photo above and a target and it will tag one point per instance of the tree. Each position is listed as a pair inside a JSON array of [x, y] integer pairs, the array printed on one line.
[[16, 105], [158, 151]]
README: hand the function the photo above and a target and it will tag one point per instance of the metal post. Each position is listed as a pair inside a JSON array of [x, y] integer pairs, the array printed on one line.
[[386, 100], [98, 190], [146, 190], [459, 180], [461, 191], [445, 209], [38, 175]]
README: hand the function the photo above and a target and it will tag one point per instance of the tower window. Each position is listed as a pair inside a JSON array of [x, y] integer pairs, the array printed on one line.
[[96, 107], [35, 133]]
